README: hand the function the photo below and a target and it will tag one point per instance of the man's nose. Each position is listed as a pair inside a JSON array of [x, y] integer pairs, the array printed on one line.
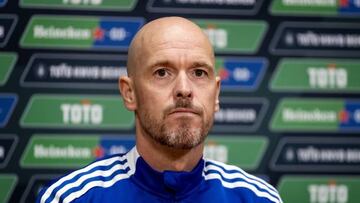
[[183, 87]]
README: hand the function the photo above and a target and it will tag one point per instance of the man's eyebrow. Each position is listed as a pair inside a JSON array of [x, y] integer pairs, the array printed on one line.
[[202, 64], [158, 63]]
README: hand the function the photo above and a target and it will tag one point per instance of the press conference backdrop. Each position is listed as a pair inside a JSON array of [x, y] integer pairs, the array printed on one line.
[[290, 107]]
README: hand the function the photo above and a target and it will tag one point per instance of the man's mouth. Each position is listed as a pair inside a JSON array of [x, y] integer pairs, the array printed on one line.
[[183, 111]]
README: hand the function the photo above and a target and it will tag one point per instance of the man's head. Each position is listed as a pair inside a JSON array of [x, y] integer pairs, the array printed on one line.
[[171, 85]]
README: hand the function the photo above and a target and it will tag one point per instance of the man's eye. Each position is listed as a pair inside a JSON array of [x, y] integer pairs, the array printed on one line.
[[161, 72], [200, 73]]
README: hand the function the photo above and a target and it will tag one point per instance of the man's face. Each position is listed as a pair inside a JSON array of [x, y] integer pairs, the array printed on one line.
[[176, 89]]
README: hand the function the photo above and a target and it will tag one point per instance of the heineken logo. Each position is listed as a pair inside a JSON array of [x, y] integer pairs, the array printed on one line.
[[317, 154], [317, 114], [316, 75], [123, 5], [239, 114], [7, 25], [80, 32], [68, 111], [316, 38], [240, 74], [74, 71], [234, 7], [316, 8], [72, 150], [224, 34]]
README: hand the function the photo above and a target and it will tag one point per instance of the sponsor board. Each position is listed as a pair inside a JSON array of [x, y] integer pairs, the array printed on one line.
[[7, 25], [7, 147], [74, 71], [245, 151], [319, 189], [7, 105], [7, 185], [76, 111], [323, 115], [240, 74], [348, 8], [317, 75], [317, 154], [123, 5], [35, 185], [308, 38], [2, 3], [233, 36], [80, 32], [239, 114], [72, 151], [7, 62], [220, 7]]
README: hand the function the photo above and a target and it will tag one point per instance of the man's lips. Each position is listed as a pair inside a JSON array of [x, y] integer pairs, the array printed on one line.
[[183, 111]]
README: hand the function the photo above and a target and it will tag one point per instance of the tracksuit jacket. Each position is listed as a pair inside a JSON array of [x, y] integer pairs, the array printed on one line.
[[128, 178]]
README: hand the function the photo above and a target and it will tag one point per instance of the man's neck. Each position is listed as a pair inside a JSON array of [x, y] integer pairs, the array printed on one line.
[[161, 157]]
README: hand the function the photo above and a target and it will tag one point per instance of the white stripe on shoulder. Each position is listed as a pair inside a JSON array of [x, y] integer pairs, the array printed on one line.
[[93, 184], [244, 173], [97, 173], [105, 162], [242, 184], [248, 180], [131, 157]]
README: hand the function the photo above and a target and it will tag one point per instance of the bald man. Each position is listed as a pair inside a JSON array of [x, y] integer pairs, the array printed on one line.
[[173, 90]]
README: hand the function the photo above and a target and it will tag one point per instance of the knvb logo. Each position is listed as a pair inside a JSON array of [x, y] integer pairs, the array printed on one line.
[[7, 25], [240, 73], [80, 32], [317, 75], [123, 5], [7, 105]]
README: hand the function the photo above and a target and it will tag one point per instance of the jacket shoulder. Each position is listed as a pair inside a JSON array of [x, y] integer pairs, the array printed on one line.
[[104, 173], [235, 179]]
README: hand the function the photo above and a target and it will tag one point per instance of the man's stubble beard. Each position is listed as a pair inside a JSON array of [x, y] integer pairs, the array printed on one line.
[[179, 136]]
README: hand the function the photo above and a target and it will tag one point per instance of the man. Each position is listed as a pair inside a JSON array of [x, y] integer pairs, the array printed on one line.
[[173, 89]]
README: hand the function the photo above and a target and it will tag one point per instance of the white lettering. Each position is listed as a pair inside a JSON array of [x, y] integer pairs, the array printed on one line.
[[82, 114], [328, 193], [84, 2], [217, 37], [327, 77]]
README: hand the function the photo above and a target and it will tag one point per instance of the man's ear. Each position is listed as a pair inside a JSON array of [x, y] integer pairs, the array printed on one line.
[[127, 91], [218, 87]]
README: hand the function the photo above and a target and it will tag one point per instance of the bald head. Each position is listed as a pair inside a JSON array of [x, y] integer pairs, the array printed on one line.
[[164, 32]]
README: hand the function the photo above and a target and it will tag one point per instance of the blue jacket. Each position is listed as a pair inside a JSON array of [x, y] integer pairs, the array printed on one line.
[[128, 178]]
